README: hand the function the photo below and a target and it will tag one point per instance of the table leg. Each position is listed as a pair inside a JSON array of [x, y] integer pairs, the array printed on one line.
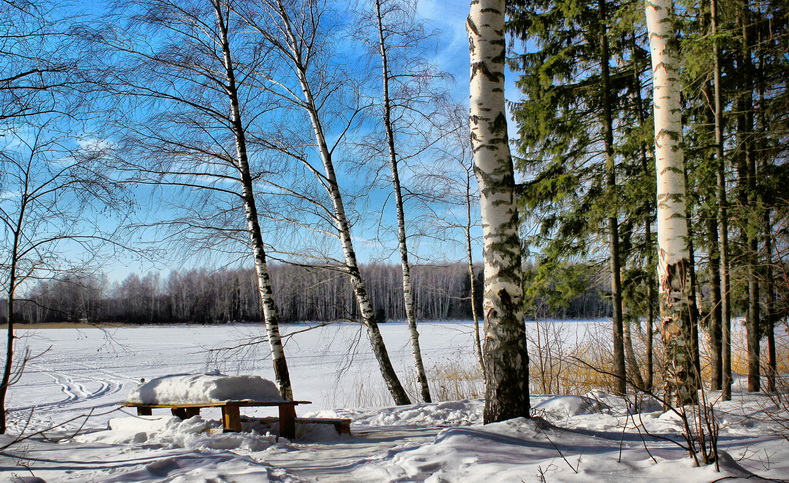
[[287, 421], [231, 417], [190, 412], [141, 411]]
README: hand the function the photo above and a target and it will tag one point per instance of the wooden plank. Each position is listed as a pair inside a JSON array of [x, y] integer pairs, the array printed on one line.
[[216, 404], [287, 421], [185, 412], [190, 412], [231, 418], [179, 412], [341, 425], [231, 415]]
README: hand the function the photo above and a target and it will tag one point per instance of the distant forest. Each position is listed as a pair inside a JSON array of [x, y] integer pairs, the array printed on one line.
[[303, 294]]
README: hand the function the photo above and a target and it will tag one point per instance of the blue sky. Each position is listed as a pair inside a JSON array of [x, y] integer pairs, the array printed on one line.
[[451, 55]]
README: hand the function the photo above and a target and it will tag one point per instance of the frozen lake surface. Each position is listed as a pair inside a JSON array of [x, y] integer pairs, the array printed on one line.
[[75, 370], [591, 438]]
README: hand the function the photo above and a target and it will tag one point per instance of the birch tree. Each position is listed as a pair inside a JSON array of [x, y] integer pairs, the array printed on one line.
[[48, 186], [672, 228], [293, 30], [453, 188], [506, 358], [192, 88], [404, 98], [50, 194]]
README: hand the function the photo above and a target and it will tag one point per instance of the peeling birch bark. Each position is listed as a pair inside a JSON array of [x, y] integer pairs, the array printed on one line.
[[672, 230]]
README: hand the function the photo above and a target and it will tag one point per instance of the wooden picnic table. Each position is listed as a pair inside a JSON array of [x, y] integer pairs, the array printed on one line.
[[231, 414]]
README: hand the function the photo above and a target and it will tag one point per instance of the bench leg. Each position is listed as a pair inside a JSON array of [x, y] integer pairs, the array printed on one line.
[[287, 421], [231, 416], [343, 427], [144, 411], [185, 413], [190, 412]]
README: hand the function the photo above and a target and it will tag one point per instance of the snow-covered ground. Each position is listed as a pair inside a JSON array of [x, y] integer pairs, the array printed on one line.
[[79, 372]]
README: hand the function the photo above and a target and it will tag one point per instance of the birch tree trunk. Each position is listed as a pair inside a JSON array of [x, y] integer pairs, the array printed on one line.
[[8, 366], [270, 315], [472, 281], [674, 271], [506, 359], [292, 48], [402, 240]]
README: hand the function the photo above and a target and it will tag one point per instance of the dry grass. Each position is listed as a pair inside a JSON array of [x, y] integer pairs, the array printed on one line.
[[451, 381], [566, 363]]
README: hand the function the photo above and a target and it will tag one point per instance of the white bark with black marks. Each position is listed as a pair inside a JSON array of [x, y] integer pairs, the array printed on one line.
[[402, 239], [292, 46], [674, 271], [506, 359], [269, 308]]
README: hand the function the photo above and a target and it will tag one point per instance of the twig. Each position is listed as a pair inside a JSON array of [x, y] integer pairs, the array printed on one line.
[[559, 450]]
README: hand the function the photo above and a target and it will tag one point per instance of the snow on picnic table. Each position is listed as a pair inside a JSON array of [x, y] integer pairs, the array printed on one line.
[[203, 388]]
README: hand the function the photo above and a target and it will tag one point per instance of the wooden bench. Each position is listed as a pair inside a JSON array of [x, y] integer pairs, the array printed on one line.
[[231, 414], [341, 425]]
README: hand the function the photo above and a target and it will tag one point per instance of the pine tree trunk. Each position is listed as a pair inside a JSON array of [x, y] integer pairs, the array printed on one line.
[[713, 317], [363, 300], [694, 310], [769, 282], [506, 358], [716, 361], [620, 385], [634, 372], [673, 253], [769, 326], [650, 327], [723, 216], [747, 196], [269, 309], [402, 240]]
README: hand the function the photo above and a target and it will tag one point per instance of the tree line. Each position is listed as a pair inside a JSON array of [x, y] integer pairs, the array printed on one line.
[[303, 294]]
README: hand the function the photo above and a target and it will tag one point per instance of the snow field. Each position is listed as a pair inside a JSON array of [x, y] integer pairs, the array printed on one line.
[[589, 438]]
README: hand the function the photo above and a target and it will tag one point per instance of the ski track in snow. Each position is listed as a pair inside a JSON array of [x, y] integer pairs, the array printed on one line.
[[75, 388]]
